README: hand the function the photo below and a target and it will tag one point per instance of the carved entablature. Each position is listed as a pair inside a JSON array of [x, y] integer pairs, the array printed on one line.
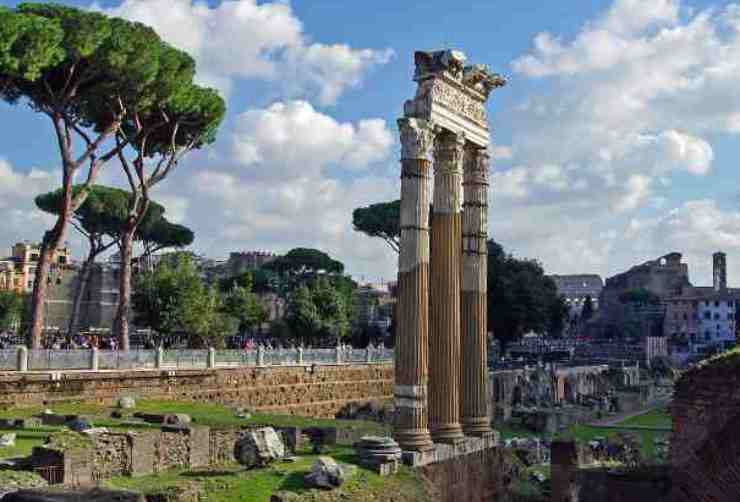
[[453, 95]]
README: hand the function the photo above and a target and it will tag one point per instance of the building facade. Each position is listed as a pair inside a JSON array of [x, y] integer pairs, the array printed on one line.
[[18, 271]]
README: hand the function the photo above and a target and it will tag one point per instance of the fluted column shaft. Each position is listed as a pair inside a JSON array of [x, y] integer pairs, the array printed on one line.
[[444, 335], [411, 428], [476, 421]]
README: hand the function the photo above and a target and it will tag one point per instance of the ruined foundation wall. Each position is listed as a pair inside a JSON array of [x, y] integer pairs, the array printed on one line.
[[477, 477], [318, 392], [705, 446]]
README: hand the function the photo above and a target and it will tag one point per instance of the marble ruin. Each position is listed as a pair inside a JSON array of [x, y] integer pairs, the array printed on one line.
[[441, 343]]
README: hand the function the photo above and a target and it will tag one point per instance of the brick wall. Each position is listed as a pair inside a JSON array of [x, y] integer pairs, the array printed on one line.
[[319, 392], [705, 446]]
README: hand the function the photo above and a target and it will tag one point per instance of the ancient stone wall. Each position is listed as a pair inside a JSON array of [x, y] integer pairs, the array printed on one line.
[[705, 447], [319, 391], [477, 477]]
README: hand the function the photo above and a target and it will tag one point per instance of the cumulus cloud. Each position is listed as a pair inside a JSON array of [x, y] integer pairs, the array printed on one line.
[[291, 176], [631, 103], [697, 228], [243, 39], [293, 138], [21, 219]]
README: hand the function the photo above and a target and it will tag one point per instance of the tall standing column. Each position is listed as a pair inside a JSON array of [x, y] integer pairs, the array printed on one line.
[[411, 428], [444, 335], [476, 420]]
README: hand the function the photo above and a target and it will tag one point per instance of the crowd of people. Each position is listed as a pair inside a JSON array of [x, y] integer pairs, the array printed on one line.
[[57, 340]]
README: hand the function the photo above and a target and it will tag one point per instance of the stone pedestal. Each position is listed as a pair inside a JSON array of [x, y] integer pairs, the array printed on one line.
[[412, 327], [444, 336], [476, 420]]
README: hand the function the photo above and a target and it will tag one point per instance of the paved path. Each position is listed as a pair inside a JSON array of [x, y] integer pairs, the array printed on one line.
[[615, 419]]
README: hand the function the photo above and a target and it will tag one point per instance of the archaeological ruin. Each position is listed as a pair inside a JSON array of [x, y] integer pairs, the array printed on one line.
[[442, 326]]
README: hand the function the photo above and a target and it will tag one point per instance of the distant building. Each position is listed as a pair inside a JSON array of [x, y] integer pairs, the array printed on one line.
[[240, 262], [18, 271], [374, 305], [575, 288], [704, 317]]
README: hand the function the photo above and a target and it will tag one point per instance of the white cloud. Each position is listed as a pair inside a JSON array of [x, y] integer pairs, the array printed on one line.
[[697, 228], [501, 152], [293, 138], [21, 219], [292, 177], [627, 105], [242, 39]]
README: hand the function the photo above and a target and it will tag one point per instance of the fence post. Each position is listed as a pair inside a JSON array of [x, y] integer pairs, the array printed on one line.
[[94, 359], [260, 356], [368, 355], [300, 356], [160, 357], [22, 362], [211, 357], [339, 354]]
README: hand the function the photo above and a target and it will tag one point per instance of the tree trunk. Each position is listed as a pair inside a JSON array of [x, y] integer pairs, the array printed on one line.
[[80, 292], [124, 288], [49, 246]]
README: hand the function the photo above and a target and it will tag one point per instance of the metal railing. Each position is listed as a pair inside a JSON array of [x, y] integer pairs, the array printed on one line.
[[22, 359]]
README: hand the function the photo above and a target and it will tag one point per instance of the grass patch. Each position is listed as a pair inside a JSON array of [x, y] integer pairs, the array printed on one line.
[[586, 433], [510, 430], [210, 414], [25, 440], [257, 485], [658, 418]]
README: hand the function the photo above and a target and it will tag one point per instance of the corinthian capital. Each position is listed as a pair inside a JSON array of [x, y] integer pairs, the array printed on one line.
[[417, 138], [449, 153], [476, 165]]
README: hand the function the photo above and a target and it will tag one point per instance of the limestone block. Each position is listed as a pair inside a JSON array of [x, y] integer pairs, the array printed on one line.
[[259, 447], [327, 473], [177, 419], [126, 403], [7, 440]]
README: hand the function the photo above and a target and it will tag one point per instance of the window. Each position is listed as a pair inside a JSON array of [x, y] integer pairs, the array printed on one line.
[[716, 316], [707, 314], [716, 303], [685, 317], [59, 280], [62, 260], [729, 316], [707, 335]]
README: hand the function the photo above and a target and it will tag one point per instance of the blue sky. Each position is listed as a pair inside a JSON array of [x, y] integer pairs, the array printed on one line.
[[615, 139]]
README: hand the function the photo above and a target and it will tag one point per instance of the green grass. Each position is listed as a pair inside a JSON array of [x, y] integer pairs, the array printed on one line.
[[586, 433], [25, 440], [658, 418], [510, 430], [234, 484], [210, 414]]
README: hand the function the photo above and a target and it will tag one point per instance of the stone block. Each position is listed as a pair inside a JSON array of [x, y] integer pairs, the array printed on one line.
[[142, 453], [200, 444]]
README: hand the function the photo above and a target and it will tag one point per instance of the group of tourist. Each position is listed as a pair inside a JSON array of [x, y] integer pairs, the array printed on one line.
[[8, 339]]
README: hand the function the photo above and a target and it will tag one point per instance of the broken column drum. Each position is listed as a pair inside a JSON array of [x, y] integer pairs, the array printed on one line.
[[412, 340]]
